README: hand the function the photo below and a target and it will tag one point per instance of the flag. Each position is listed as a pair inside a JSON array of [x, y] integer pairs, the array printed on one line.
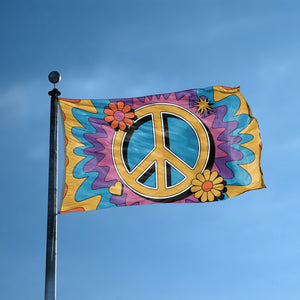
[[193, 146]]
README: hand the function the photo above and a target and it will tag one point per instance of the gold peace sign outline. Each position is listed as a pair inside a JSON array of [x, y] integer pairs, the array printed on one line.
[[159, 155]]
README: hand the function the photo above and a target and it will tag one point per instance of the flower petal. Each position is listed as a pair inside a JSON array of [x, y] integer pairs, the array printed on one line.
[[196, 182], [129, 122], [204, 197], [195, 188], [213, 175], [210, 196], [198, 194], [122, 125], [129, 115], [218, 180], [112, 106], [206, 174], [200, 177], [109, 118], [219, 187], [126, 108], [120, 105], [216, 192], [114, 124], [108, 111]]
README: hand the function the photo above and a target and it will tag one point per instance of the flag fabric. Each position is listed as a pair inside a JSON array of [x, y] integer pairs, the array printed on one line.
[[198, 145]]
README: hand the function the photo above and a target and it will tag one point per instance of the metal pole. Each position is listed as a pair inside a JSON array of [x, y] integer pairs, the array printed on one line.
[[50, 278]]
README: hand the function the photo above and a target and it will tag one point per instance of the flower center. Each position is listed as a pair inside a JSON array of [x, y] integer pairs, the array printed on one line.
[[207, 186], [119, 115]]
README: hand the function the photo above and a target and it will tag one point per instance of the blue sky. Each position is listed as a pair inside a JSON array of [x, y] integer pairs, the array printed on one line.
[[242, 248]]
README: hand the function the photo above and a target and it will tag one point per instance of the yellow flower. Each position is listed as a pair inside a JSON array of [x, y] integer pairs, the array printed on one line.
[[203, 105], [208, 186]]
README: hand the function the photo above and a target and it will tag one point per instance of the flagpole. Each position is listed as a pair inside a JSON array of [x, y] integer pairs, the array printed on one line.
[[50, 276]]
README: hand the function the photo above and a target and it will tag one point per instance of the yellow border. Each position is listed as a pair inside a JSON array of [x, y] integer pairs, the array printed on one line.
[[68, 202], [254, 145]]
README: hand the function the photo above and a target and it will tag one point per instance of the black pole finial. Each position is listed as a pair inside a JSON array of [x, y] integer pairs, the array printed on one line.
[[54, 77]]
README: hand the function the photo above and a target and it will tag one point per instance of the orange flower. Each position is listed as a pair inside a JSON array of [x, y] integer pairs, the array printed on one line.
[[119, 116]]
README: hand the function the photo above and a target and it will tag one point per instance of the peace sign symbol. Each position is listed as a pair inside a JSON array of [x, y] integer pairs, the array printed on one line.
[[160, 168]]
